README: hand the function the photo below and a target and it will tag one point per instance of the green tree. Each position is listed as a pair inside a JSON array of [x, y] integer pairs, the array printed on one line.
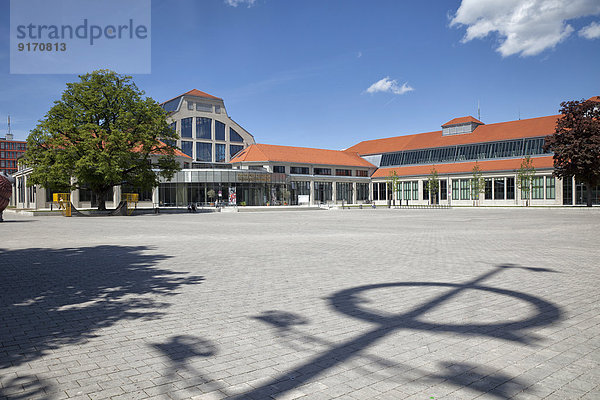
[[524, 178], [477, 183], [101, 133], [576, 143], [392, 182], [433, 184]]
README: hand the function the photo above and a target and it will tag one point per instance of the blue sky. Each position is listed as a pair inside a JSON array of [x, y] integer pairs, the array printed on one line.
[[329, 74]]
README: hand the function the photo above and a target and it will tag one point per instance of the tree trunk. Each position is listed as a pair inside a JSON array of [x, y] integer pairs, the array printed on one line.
[[588, 195], [100, 198]]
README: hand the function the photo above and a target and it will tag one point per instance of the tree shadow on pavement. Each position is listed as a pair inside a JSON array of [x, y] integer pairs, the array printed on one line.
[[55, 297]]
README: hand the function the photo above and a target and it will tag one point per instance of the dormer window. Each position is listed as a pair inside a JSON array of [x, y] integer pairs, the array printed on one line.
[[459, 126], [190, 105]]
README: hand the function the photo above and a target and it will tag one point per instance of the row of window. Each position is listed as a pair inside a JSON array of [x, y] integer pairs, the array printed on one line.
[[477, 151], [463, 189], [204, 129], [9, 154], [319, 171], [204, 107], [8, 164], [7, 145], [204, 150]]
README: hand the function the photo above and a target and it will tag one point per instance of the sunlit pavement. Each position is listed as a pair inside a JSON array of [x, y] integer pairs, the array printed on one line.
[[350, 304]]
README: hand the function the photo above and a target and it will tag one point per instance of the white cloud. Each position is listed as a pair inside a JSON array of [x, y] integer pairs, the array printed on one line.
[[525, 27], [359, 54], [235, 3], [592, 31], [389, 85]]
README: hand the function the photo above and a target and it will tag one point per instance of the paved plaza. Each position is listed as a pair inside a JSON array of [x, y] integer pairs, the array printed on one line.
[[349, 304]]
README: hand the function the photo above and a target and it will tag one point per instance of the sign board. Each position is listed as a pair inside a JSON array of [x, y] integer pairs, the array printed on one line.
[[303, 199]]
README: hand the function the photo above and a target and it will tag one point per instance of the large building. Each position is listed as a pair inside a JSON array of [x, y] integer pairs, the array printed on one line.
[[497, 149], [221, 163]]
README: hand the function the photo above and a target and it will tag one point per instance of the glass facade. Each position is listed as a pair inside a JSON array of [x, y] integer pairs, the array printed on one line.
[[298, 188], [550, 187], [203, 128], [344, 192], [537, 187], [455, 189], [234, 149], [362, 191], [323, 191], [443, 189], [465, 189], [299, 170], [220, 152], [415, 190], [510, 188], [477, 151], [186, 127], [499, 188], [204, 151], [234, 136], [219, 130], [322, 171], [407, 190], [187, 147], [488, 189]]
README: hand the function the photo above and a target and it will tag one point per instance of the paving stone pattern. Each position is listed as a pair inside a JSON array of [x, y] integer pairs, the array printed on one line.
[[348, 304]]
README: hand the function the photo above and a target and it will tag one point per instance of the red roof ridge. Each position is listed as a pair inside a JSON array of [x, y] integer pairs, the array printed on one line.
[[200, 93], [463, 120], [507, 130], [303, 155], [594, 98], [195, 93]]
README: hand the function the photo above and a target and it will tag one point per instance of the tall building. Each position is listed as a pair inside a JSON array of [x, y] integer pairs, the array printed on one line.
[[207, 134]]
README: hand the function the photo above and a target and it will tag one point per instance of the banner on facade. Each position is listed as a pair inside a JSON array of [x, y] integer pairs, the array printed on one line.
[[232, 196]]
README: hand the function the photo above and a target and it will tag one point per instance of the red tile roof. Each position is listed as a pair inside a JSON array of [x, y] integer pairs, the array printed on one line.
[[533, 127], [595, 98], [463, 120], [195, 93], [301, 155], [157, 150], [465, 167], [199, 93]]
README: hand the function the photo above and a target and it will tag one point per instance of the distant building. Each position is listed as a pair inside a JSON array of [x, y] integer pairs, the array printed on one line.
[[10, 151]]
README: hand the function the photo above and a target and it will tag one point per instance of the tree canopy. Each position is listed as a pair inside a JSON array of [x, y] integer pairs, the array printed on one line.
[[101, 133], [576, 143]]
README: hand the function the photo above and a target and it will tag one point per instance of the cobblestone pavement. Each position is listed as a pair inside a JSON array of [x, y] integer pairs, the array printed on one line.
[[349, 304]]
